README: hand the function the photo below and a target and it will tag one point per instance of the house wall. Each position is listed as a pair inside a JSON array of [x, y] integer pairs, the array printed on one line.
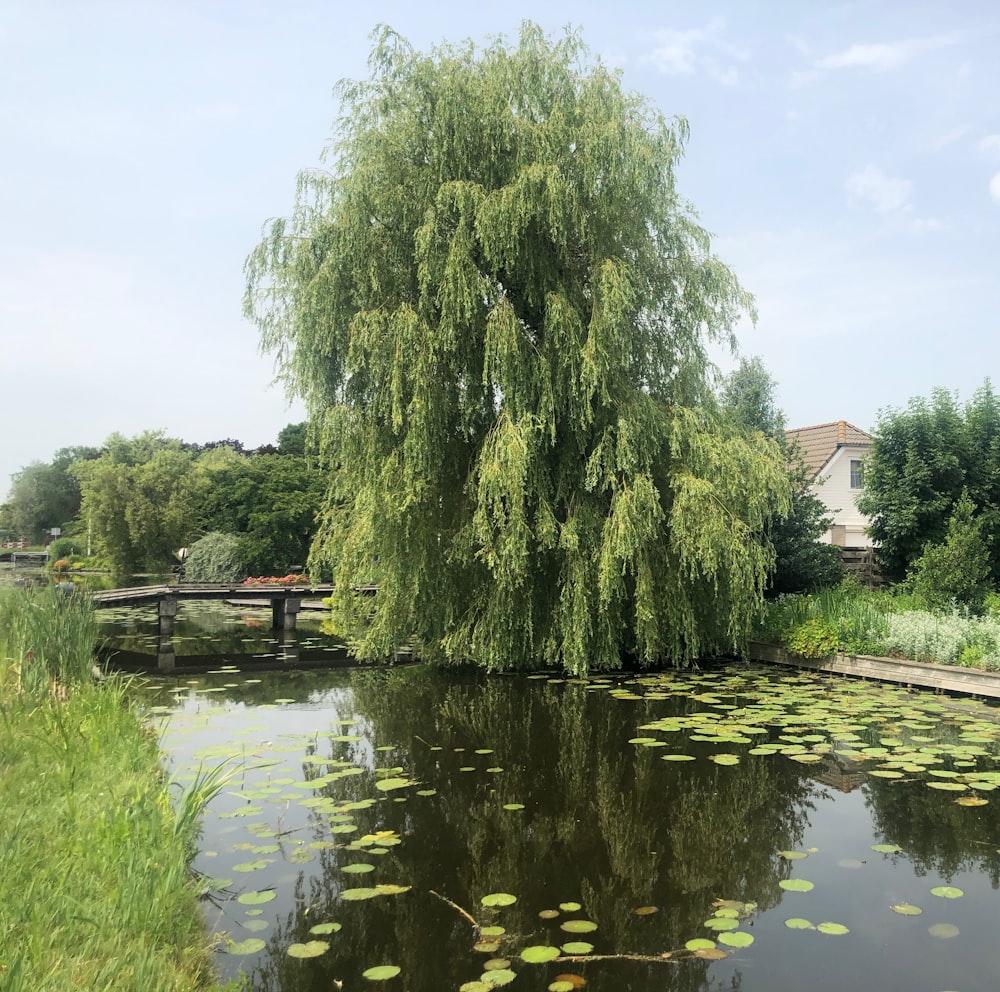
[[833, 487]]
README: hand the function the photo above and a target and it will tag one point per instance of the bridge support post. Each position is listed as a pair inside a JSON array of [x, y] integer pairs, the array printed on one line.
[[167, 614], [284, 611]]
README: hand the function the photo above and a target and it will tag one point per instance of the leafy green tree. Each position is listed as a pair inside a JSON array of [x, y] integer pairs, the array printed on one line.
[[956, 570], [497, 306], [271, 502], [921, 461], [802, 562], [42, 496], [292, 439], [140, 497]]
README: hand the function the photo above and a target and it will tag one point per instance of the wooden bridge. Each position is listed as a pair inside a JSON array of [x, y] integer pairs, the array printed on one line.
[[285, 601]]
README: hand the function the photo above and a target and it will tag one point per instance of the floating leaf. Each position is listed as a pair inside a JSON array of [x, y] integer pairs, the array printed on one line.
[[570, 907], [943, 930], [792, 855], [797, 923], [722, 923], [359, 868], [548, 914], [906, 909], [539, 954], [311, 949], [498, 977], [323, 928], [645, 910], [255, 898], [887, 848], [700, 944], [678, 757], [725, 759], [249, 946], [577, 947], [796, 885], [498, 899], [833, 928], [561, 986], [513, 806], [381, 972], [496, 964], [578, 926], [971, 800], [388, 784], [947, 892], [486, 946], [739, 938], [492, 931]]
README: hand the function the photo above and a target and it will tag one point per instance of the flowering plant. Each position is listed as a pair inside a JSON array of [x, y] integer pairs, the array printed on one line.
[[272, 580]]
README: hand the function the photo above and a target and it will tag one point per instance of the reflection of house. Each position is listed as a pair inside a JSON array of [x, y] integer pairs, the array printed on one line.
[[834, 457]]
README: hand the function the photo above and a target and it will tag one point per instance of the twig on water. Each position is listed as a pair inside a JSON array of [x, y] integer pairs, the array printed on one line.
[[458, 909]]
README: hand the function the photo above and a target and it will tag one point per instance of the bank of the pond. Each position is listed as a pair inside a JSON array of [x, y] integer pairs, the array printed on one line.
[[946, 678], [95, 891]]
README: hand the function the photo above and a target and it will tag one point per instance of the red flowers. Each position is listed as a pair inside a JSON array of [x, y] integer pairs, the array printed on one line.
[[271, 580]]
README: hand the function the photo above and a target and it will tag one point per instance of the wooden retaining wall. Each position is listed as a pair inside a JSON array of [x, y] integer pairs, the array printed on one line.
[[946, 678]]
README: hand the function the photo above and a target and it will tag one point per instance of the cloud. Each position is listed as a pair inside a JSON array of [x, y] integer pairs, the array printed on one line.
[[991, 145], [995, 188], [886, 194], [697, 50], [886, 56], [890, 196]]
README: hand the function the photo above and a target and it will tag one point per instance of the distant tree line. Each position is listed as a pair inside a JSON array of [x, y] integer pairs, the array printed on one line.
[[136, 501]]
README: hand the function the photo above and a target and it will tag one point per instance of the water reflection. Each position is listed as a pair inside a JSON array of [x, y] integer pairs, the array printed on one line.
[[605, 823]]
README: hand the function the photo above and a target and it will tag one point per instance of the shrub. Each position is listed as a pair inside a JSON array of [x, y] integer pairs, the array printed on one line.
[[957, 570], [815, 638], [215, 558]]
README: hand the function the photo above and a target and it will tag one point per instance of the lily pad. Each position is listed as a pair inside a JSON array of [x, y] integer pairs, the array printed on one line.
[[539, 954], [797, 923], [249, 946], [906, 909], [381, 972], [796, 885], [832, 928], [700, 944], [947, 892], [498, 977], [887, 848], [578, 926], [577, 947], [498, 899], [324, 928], [255, 898], [739, 938], [311, 949], [570, 907]]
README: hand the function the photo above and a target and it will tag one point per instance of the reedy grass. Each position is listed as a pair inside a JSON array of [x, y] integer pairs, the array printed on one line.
[[46, 640], [95, 887]]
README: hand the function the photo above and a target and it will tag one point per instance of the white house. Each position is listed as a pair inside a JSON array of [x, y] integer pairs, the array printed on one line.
[[834, 456]]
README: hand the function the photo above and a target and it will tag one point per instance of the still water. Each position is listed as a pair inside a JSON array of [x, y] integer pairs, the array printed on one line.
[[734, 828]]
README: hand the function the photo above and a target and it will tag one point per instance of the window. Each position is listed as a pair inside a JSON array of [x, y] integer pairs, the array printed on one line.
[[857, 474]]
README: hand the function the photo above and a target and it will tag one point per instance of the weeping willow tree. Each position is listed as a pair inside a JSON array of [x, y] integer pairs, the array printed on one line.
[[497, 309]]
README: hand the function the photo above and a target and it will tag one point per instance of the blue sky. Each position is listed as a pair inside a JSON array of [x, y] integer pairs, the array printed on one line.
[[846, 156]]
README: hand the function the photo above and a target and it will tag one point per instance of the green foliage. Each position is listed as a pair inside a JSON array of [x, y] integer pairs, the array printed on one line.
[[497, 308], [42, 496], [46, 640], [292, 439], [957, 569], [802, 562], [216, 557], [815, 638], [66, 547], [140, 497], [271, 502], [921, 460]]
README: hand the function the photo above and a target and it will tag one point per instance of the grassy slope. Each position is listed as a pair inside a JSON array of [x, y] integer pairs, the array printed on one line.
[[95, 891]]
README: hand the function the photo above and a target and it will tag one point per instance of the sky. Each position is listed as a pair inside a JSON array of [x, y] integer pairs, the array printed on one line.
[[845, 157]]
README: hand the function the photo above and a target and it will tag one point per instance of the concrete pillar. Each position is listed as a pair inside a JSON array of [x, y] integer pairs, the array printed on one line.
[[166, 657], [167, 615], [284, 610]]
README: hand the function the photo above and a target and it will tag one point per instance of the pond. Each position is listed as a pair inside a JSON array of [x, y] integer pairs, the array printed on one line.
[[732, 828]]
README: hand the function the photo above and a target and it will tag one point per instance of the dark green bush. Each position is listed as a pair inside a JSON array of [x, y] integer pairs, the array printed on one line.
[[216, 557]]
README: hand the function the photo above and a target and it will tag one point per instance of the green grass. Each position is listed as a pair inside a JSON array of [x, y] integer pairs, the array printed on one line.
[[95, 888]]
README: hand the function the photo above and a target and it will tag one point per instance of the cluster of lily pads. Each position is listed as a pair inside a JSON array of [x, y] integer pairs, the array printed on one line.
[[896, 736]]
